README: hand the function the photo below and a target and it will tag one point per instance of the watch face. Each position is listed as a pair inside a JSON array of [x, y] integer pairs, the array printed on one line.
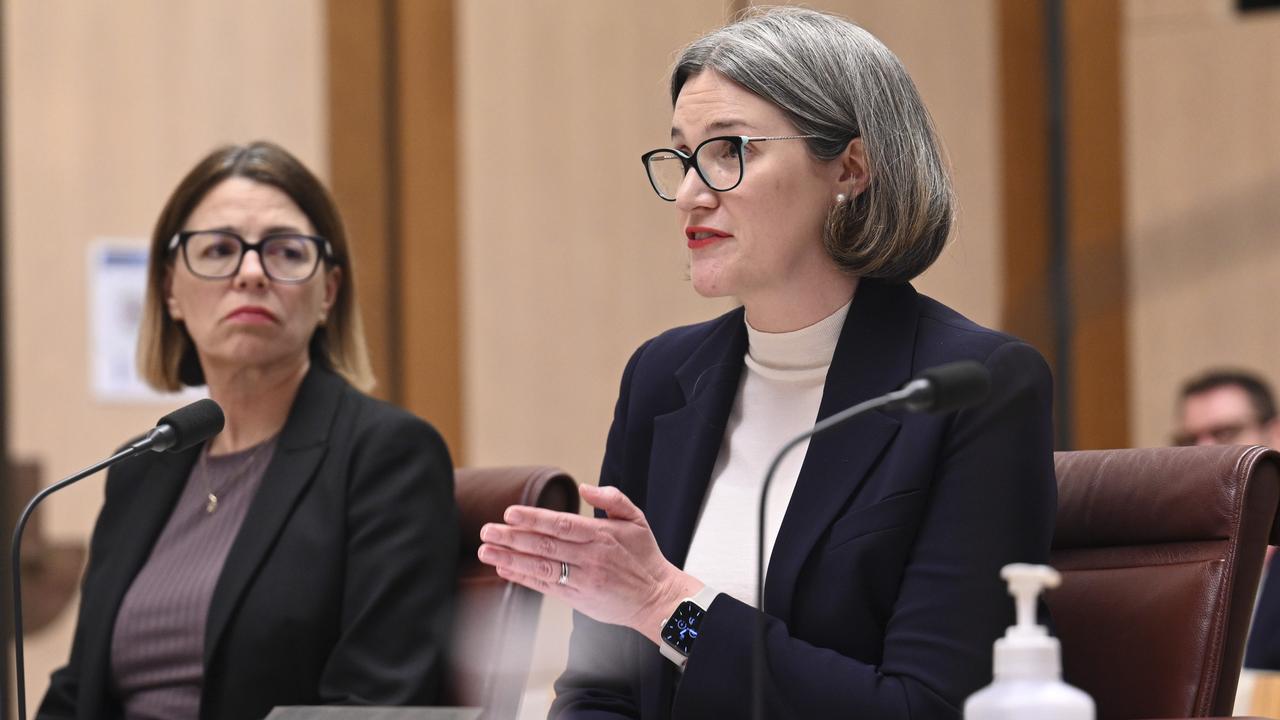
[[683, 627]]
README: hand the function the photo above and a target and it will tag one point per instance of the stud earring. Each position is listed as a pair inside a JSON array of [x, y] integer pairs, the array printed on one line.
[[841, 198]]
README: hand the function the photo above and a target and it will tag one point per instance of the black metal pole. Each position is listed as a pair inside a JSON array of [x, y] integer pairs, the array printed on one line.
[[1059, 228], [395, 196]]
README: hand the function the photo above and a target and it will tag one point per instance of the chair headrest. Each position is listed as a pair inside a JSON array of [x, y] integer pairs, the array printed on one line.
[[1179, 493], [483, 494]]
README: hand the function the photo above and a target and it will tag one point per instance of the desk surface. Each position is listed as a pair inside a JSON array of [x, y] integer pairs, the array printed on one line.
[[1258, 693], [347, 712]]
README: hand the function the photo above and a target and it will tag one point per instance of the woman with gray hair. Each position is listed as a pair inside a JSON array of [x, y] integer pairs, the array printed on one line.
[[810, 186]]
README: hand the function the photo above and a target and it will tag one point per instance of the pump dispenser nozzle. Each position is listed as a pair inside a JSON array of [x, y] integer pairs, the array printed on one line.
[[1027, 649], [1025, 585], [1028, 665]]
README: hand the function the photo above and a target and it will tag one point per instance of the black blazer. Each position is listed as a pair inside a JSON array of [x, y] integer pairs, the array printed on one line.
[[1263, 649], [338, 588], [883, 595]]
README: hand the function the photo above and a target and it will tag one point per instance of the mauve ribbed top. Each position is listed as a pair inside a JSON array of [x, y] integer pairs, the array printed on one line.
[[157, 649]]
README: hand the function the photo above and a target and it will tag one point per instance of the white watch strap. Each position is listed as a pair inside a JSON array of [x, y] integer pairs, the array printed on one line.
[[672, 654], [703, 599]]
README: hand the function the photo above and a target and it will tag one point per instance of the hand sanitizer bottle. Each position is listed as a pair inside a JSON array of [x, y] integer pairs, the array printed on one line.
[[1028, 665]]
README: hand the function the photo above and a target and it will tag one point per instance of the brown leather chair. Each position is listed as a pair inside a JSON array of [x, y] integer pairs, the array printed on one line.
[[494, 629], [1161, 551]]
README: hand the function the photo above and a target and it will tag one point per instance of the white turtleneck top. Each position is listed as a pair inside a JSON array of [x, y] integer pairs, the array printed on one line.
[[778, 398]]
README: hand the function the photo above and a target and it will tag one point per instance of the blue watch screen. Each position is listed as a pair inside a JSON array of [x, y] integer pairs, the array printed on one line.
[[683, 627]]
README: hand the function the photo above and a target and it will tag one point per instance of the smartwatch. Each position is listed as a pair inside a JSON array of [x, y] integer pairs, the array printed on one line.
[[681, 630]]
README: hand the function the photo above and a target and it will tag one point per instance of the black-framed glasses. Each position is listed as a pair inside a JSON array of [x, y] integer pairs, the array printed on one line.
[[1227, 433], [285, 257], [720, 162]]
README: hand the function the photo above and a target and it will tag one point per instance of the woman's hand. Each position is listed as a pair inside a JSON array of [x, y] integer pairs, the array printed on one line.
[[616, 573]]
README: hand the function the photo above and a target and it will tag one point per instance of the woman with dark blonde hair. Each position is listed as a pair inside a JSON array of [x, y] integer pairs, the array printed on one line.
[[306, 554], [809, 185]]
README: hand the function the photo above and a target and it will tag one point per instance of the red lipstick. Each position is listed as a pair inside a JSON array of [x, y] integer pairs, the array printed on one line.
[[700, 236]]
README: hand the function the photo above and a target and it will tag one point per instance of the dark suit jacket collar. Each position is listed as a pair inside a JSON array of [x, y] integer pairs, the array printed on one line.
[[873, 355], [686, 441], [157, 486], [301, 447], [721, 351], [682, 456], [874, 352], [311, 416]]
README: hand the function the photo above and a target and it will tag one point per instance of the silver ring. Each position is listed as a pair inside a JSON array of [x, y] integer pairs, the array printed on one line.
[[564, 573]]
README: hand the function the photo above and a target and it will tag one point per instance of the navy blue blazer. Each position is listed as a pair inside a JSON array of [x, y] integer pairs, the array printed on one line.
[[1263, 649], [883, 594], [338, 588]]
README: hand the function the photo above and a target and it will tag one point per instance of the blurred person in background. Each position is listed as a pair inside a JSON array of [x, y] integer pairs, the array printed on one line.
[[305, 555], [810, 185], [1236, 407], [1227, 407]]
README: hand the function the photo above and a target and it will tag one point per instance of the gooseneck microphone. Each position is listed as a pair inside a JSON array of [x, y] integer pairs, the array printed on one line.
[[940, 389], [179, 430]]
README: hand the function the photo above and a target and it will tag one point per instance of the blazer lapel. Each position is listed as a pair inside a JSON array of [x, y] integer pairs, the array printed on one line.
[[301, 447], [873, 356], [685, 445], [148, 509], [687, 441]]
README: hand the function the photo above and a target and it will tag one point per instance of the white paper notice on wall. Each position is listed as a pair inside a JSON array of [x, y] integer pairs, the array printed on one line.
[[117, 288]]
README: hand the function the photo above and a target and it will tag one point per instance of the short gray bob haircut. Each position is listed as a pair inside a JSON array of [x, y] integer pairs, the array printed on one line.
[[838, 82]]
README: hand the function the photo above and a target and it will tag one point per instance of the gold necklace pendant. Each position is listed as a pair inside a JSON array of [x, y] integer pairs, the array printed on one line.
[[211, 497]]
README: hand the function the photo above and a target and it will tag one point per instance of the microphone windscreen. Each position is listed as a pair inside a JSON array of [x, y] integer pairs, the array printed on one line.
[[194, 423], [957, 385]]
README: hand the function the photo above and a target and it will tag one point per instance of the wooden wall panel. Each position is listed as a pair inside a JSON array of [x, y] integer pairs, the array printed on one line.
[[394, 143], [429, 311], [569, 259], [1069, 301], [360, 154], [1027, 304], [1202, 101], [1097, 264]]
